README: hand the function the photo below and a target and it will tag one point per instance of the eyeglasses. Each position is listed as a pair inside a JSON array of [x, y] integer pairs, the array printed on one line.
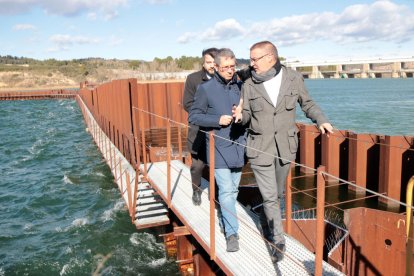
[[227, 68], [255, 60]]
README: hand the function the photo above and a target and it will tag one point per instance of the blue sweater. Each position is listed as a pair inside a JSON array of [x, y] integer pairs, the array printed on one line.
[[213, 99]]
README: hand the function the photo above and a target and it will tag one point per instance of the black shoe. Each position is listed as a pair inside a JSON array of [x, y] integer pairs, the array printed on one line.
[[232, 243], [197, 198], [278, 252]]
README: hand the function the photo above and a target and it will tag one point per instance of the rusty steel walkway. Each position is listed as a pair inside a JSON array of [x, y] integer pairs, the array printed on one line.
[[147, 209], [253, 258], [139, 128]]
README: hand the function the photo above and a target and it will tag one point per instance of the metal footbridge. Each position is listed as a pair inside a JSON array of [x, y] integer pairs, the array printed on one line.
[[171, 181]]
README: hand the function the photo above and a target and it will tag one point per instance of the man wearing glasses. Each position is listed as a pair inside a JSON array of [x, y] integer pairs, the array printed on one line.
[[212, 110], [195, 139], [269, 109]]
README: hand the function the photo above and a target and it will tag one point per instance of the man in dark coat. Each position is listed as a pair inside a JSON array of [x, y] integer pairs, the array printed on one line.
[[195, 139], [212, 110]]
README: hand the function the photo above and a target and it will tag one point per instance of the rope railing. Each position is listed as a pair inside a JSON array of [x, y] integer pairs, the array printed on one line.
[[375, 194], [213, 201]]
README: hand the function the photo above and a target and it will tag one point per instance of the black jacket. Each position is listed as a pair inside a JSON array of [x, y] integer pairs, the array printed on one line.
[[212, 100], [195, 139]]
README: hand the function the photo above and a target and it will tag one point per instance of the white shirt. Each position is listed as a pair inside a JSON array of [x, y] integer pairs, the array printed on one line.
[[272, 87]]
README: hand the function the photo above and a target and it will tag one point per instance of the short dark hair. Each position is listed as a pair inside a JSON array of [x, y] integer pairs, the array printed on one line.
[[210, 51], [266, 44]]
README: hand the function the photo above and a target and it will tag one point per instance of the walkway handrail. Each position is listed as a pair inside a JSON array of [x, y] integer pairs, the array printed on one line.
[[138, 117], [288, 199], [409, 240], [212, 197], [320, 221], [169, 163]]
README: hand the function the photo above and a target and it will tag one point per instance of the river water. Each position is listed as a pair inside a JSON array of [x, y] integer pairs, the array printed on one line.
[[60, 212], [380, 106]]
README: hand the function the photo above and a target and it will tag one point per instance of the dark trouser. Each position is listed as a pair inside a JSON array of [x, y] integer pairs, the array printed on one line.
[[196, 143], [196, 171], [271, 181]]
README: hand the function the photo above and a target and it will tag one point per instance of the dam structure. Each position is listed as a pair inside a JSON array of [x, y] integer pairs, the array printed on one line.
[[361, 68], [141, 129]]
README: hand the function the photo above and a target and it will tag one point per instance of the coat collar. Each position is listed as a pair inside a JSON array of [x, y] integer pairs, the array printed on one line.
[[287, 79], [222, 81], [204, 74]]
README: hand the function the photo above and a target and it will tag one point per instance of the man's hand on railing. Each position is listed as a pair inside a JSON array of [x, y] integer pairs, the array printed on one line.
[[326, 128]]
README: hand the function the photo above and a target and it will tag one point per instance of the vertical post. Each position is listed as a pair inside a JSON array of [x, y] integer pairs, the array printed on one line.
[[320, 220], [94, 131], [169, 162], [134, 203], [110, 156], [106, 148], [144, 151], [308, 139], [180, 146], [120, 174], [115, 174], [408, 222], [212, 198], [129, 196], [100, 139], [391, 150], [288, 199], [136, 142], [331, 153]]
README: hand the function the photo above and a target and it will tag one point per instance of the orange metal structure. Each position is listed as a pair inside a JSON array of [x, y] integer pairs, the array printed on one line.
[[380, 163], [38, 94]]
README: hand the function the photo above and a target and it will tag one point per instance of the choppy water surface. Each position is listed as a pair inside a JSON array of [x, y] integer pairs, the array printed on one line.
[[380, 106], [60, 211]]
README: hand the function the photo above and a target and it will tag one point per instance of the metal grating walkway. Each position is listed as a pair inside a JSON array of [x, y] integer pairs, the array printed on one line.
[[150, 209], [253, 258]]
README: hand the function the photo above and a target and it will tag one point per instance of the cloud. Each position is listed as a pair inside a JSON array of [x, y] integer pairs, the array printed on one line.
[[187, 37], [64, 42], [64, 8], [222, 30], [379, 21], [24, 27]]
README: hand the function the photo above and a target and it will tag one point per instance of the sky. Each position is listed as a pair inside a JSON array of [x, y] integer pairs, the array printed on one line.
[[317, 30]]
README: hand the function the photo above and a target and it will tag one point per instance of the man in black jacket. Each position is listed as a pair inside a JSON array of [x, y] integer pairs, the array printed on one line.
[[195, 138]]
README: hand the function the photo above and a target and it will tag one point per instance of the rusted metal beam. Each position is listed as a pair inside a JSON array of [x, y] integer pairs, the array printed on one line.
[[395, 152], [309, 148], [320, 221], [288, 207], [363, 161], [181, 231], [334, 149], [212, 197], [169, 163]]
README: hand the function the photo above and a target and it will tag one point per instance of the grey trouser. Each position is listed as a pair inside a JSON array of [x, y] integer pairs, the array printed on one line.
[[271, 181]]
